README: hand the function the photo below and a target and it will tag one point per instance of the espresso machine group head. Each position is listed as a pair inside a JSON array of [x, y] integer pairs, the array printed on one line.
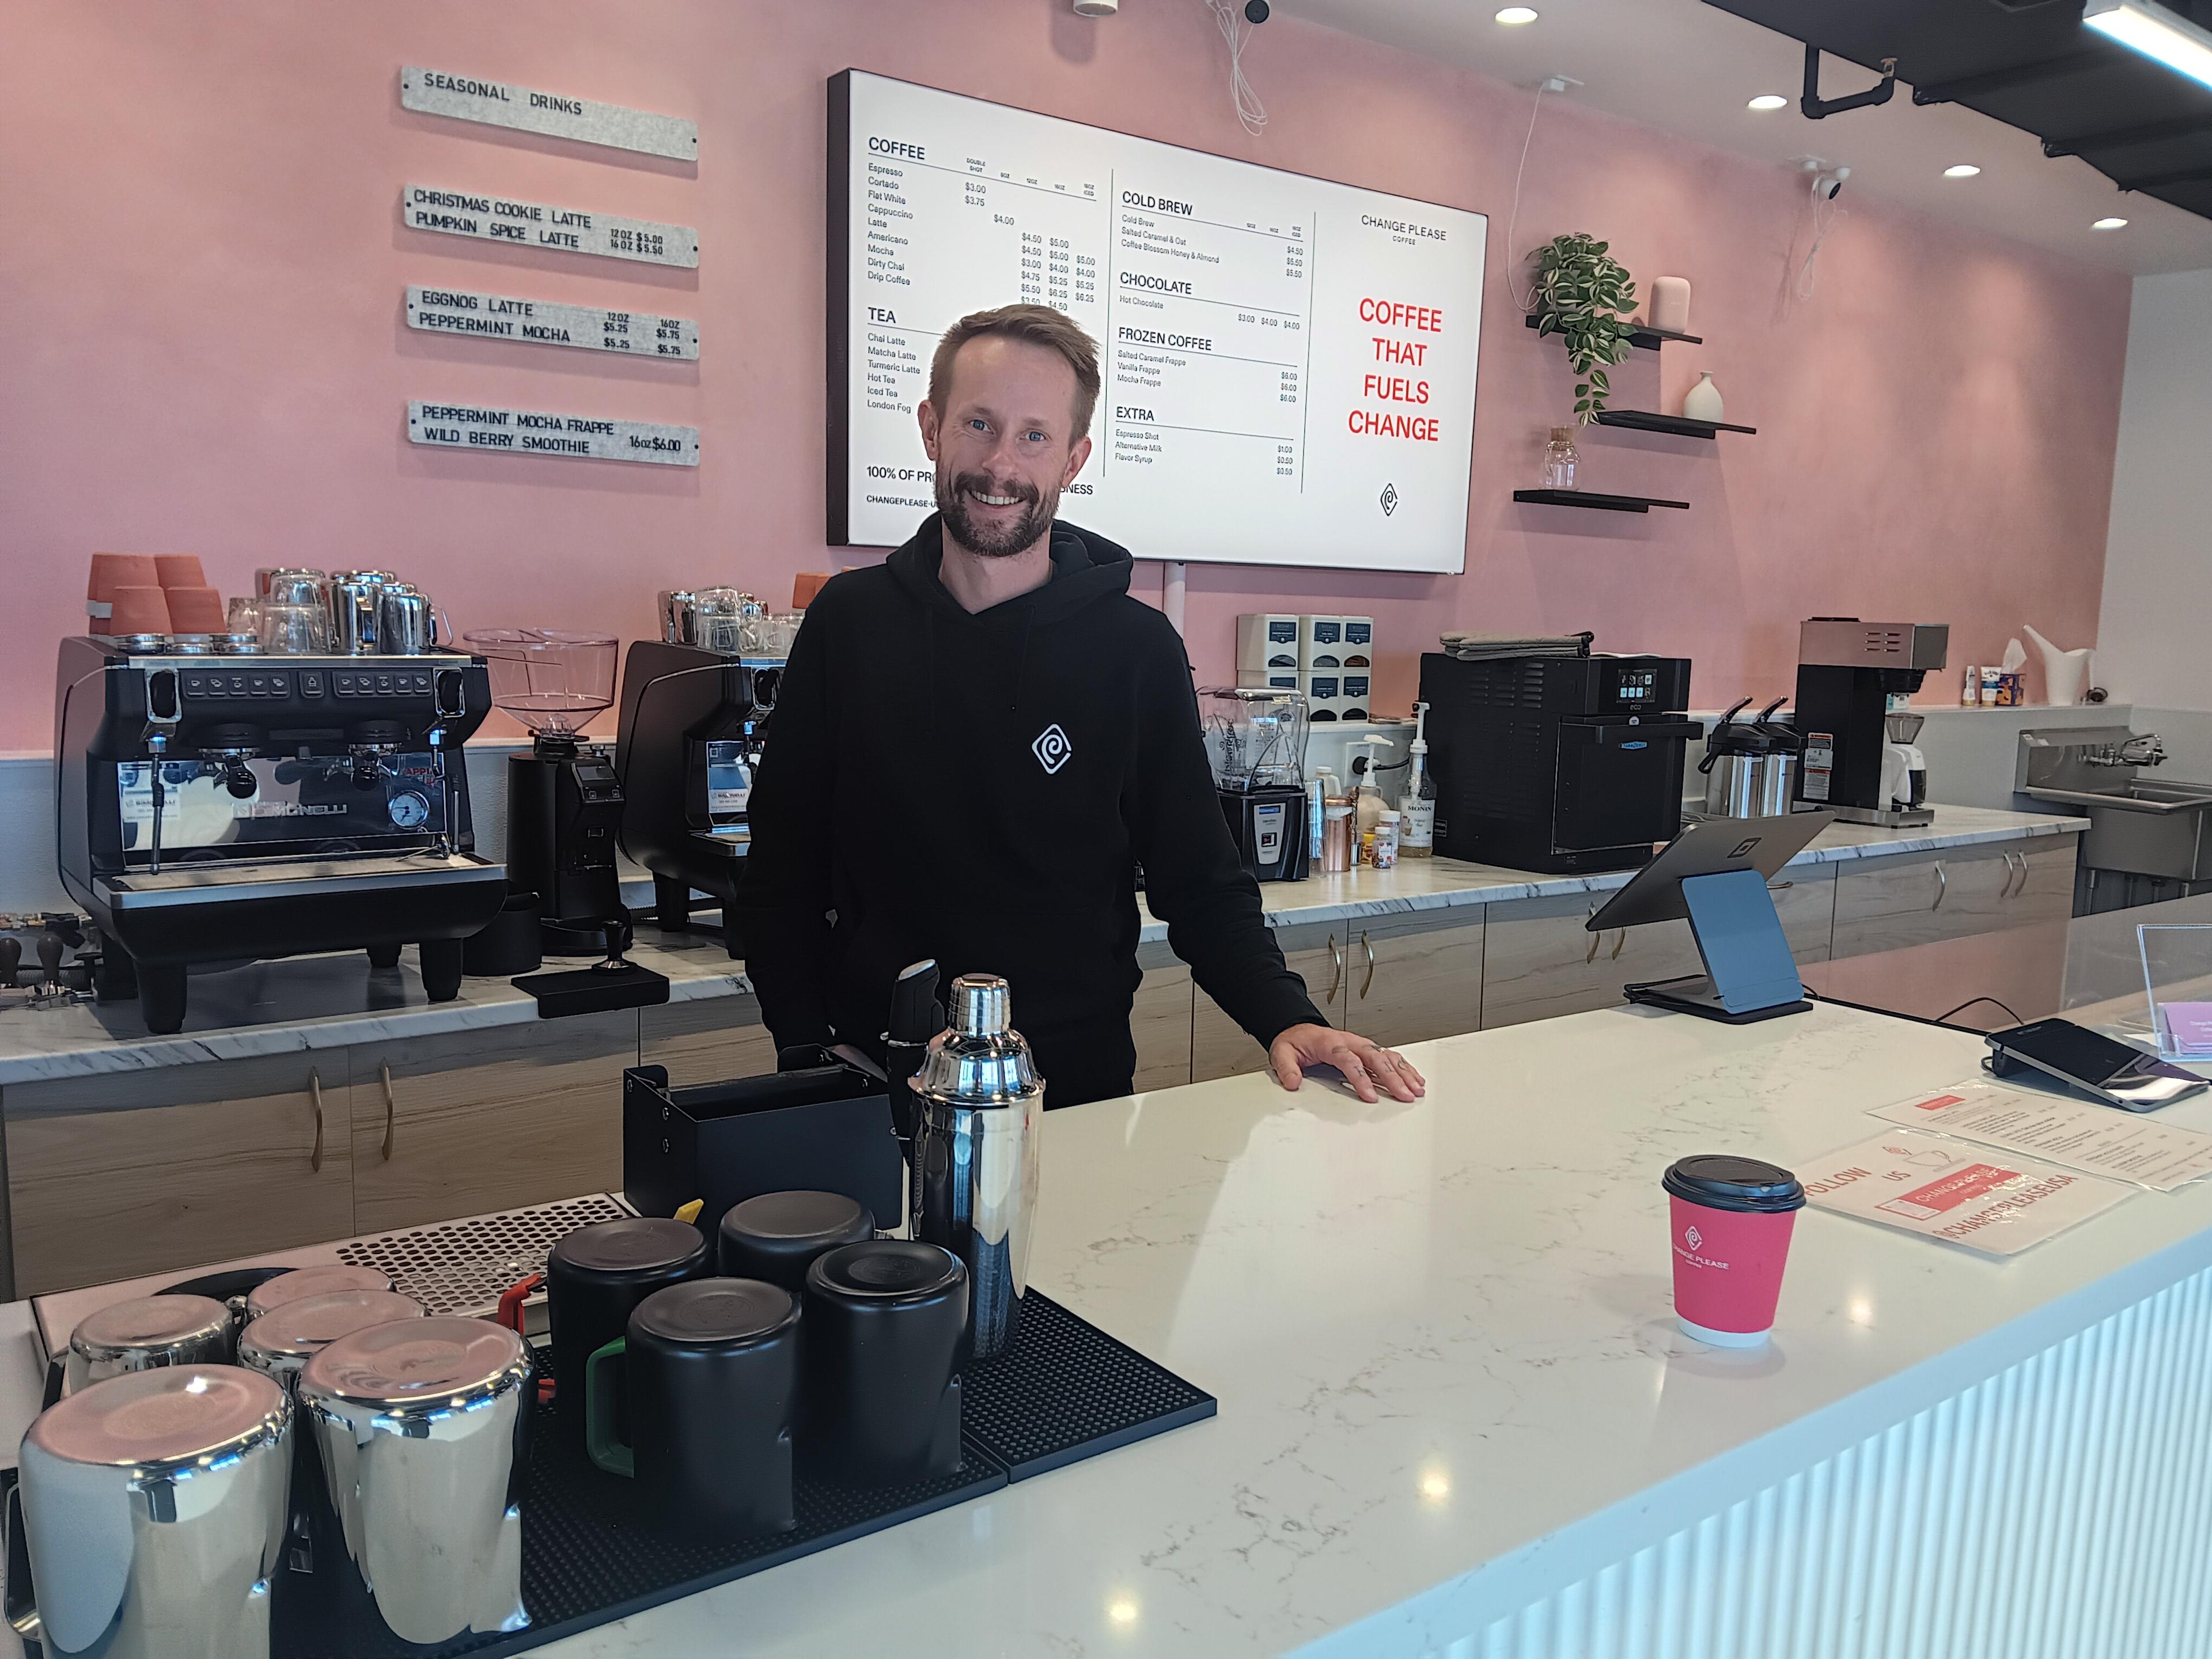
[[235, 808], [1849, 674]]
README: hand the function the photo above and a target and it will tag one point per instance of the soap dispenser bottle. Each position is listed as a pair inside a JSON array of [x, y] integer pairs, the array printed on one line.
[[1367, 802]]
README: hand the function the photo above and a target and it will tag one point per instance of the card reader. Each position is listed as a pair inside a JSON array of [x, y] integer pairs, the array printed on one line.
[[2111, 1072]]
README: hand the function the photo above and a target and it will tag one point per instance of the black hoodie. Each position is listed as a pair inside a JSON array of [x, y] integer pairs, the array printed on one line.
[[979, 789]]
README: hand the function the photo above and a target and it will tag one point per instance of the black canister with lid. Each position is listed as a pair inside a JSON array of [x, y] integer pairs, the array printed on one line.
[[1723, 1181], [710, 1371], [596, 1276], [775, 1236], [886, 1341]]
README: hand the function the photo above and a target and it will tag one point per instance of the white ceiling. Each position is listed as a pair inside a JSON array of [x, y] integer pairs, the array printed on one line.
[[1690, 69]]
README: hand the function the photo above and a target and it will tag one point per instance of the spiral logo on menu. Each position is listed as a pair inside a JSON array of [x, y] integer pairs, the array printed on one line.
[[1052, 748]]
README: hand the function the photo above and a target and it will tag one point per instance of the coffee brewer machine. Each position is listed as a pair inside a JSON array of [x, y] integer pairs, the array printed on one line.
[[563, 797], [1256, 741], [1557, 764], [694, 718], [232, 808], [1851, 674]]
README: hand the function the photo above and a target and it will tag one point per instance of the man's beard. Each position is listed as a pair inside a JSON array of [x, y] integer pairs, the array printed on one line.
[[986, 541]]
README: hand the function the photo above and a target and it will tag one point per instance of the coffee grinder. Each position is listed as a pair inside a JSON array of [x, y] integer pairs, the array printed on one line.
[[1851, 676], [564, 800], [1256, 741]]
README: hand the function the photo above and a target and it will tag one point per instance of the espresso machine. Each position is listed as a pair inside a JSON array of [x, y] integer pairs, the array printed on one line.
[[695, 709], [231, 808], [564, 798], [1855, 681], [1256, 741]]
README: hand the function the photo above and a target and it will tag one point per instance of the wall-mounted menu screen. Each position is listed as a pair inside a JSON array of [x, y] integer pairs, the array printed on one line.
[[1289, 363]]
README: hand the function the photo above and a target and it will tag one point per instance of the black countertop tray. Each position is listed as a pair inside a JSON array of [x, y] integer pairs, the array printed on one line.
[[1066, 1391]]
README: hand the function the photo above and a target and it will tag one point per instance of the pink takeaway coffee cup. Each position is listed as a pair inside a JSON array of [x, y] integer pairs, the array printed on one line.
[[1731, 1219]]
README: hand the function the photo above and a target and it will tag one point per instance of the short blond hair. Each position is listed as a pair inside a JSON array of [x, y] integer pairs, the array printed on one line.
[[1038, 326]]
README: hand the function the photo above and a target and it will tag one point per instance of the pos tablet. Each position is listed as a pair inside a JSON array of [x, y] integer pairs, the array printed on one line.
[[1715, 873]]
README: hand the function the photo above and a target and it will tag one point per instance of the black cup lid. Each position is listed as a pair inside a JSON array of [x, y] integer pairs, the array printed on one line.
[[633, 1245], [715, 1312], [798, 1217], [885, 1269], [1720, 1181]]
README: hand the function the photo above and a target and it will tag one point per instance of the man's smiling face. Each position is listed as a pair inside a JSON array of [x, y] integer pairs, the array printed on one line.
[[1004, 444]]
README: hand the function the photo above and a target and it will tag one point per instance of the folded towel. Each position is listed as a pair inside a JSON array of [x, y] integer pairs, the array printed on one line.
[[1482, 647]]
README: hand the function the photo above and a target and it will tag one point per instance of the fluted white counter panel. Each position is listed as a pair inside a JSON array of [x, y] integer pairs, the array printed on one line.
[[2060, 1510]]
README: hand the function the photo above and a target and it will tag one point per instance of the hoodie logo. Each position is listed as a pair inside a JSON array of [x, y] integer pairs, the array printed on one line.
[[1052, 749]]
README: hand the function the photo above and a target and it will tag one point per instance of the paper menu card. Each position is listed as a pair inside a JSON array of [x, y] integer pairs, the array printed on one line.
[[1995, 1204], [2080, 1135]]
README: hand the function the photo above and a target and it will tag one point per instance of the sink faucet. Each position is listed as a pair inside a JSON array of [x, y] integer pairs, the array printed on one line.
[[2146, 751]]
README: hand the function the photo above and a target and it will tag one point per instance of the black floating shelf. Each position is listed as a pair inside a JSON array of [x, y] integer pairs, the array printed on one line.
[[1645, 420], [1644, 338], [1593, 499]]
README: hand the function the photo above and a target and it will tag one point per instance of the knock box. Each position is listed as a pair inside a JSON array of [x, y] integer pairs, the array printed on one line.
[[825, 1128]]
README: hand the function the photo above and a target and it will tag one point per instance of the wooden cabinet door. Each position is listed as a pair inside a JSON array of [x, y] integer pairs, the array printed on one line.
[[1160, 1021], [113, 1177], [1219, 1045], [709, 1041], [1412, 985], [1538, 960], [481, 1121], [1891, 903]]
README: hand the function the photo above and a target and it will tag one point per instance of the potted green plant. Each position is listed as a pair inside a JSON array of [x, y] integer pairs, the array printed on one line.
[[1584, 295]]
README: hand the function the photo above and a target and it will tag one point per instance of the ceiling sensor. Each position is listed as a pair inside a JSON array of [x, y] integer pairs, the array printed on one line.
[[1557, 83], [1097, 8], [1828, 179]]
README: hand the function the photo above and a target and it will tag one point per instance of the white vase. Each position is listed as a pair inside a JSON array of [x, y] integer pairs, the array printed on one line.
[[1701, 402], [1670, 304]]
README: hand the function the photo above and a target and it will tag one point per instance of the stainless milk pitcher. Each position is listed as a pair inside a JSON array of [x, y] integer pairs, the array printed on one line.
[[974, 1183], [153, 1504]]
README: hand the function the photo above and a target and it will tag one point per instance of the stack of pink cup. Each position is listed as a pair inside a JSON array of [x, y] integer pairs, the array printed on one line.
[[151, 594]]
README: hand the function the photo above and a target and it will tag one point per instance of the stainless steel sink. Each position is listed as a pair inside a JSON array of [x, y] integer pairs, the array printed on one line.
[[2140, 825]]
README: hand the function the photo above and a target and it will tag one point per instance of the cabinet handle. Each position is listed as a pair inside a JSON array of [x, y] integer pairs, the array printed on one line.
[[1780, 886], [391, 1108], [315, 1097], [1942, 887], [1335, 985], [1367, 984], [2012, 892], [1619, 945]]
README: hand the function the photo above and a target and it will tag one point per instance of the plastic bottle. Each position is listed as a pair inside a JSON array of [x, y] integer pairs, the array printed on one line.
[[1386, 841], [1367, 802], [1417, 807]]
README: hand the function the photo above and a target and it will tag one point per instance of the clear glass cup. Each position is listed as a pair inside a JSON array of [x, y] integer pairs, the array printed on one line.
[[295, 629], [243, 616]]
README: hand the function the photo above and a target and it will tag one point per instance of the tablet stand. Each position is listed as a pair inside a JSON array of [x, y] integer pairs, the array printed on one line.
[[1749, 972]]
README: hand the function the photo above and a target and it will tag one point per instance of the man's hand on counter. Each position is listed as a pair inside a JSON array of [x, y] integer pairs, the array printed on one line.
[[1367, 1067]]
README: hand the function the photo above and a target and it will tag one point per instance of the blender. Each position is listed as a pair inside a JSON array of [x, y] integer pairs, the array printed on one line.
[[1255, 741], [563, 799]]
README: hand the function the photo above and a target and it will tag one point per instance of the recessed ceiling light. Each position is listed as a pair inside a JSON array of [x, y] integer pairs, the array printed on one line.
[[1512, 17], [1766, 100], [2108, 224], [1964, 170], [2155, 32]]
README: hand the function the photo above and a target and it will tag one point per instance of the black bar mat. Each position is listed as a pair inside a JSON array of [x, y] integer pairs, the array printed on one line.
[[1066, 1391], [589, 1556]]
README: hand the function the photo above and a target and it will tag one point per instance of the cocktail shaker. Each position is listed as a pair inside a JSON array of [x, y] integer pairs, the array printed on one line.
[[975, 1172]]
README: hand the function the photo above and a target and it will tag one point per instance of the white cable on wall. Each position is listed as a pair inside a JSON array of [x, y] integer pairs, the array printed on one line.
[[1250, 112], [1826, 213], [1525, 302]]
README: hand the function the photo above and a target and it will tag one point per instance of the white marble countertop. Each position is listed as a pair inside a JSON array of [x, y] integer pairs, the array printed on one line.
[[1443, 884], [300, 1003], [335, 1000], [1441, 1341]]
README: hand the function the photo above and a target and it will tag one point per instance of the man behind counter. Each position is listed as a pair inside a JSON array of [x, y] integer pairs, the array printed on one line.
[[977, 743]]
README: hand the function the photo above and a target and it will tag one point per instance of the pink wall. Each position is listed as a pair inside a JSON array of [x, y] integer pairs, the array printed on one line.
[[203, 348]]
